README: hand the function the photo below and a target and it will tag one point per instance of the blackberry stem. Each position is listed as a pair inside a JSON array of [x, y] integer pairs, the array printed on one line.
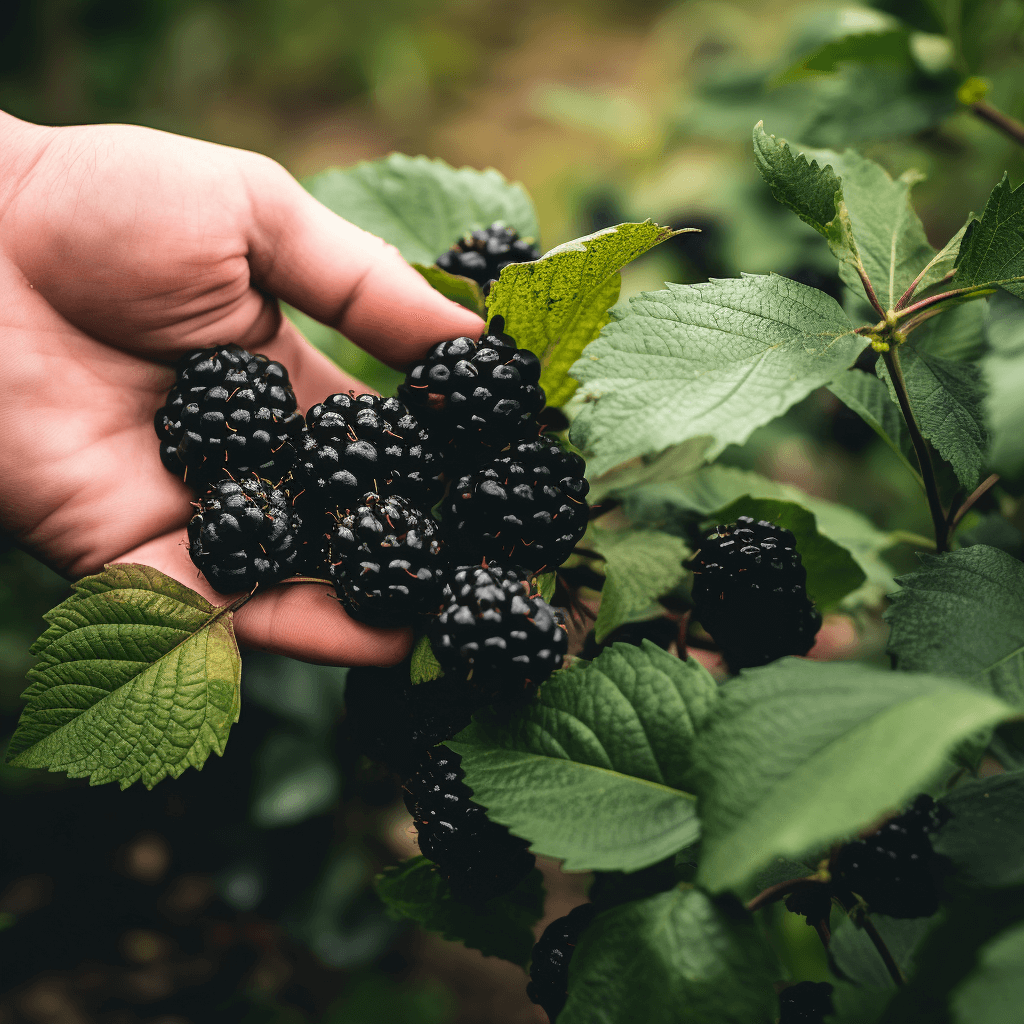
[[883, 951], [780, 890]]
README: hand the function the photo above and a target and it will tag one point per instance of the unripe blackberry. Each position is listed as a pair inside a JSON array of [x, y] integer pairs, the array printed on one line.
[[895, 870], [750, 593], [243, 534], [386, 561], [354, 444], [495, 634], [484, 254], [808, 1002], [478, 395], [526, 507], [228, 414], [478, 858], [549, 963]]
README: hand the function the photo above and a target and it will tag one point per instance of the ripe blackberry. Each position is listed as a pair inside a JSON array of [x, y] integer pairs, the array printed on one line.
[[527, 507], [481, 395], [808, 1002], [483, 255], [243, 534], [354, 444], [496, 635], [478, 858], [228, 413], [895, 870], [750, 593], [549, 964], [386, 561]]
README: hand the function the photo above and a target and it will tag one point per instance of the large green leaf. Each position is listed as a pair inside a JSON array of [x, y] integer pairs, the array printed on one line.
[[558, 304], [719, 359], [962, 614], [992, 251], [799, 754], [138, 678], [502, 927], [421, 206], [1004, 374], [674, 958], [594, 771], [994, 993], [858, 959]]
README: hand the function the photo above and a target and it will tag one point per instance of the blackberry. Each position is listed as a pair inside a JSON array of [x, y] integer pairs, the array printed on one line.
[[354, 444], [527, 507], [229, 413], [483, 255], [808, 1002], [750, 593], [549, 964], [496, 635], [386, 561], [481, 395], [244, 533], [895, 870], [478, 858]]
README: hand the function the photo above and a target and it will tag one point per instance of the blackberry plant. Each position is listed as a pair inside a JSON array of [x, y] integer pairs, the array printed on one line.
[[483, 254]]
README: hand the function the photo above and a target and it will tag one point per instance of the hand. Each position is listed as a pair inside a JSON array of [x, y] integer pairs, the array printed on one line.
[[122, 248]]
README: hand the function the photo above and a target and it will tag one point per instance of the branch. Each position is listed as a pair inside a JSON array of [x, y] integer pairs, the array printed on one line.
[[869, 290], [970, 291], [1009, 126], [987, 484], [780, 890], [909, 293]]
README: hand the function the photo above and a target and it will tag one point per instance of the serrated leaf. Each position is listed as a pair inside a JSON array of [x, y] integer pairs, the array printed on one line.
[[962, 614], [640, 566], [593, 771], [1003, 367], [994, 993], [992, 251], [502, 928], [424, 666], [557, 305], [674, 958], [799, 754], [459, 289], [718, 359], [138, 678], [423, 207]]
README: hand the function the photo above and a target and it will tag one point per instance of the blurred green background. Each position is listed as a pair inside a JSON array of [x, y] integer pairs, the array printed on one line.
[[241, 893]]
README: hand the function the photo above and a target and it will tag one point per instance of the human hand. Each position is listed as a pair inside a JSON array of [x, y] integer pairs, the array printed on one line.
[[121, 248]]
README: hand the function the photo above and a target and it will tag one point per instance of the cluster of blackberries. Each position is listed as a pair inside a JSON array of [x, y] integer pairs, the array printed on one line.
[[549, 964], [483, 255], [750, 593]]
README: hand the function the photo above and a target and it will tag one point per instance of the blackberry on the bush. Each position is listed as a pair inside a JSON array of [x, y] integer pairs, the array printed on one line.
[[484, 254], [244, 533], [807, 1002], [527, 507], [496, 635], [229, 413], [895, 870], [481, 394], [478, 858], [354, 444], [549, 964], [750, 593], [386, 560]]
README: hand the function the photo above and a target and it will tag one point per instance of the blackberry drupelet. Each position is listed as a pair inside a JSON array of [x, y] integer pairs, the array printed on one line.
[[549, 964], [807, 1002], [895, 870], [484, 254], [750, 593], [229, 413], [481, 395], [495, 634], [478, 858], [244, 533], [527, 507], [354, 444], [386, 561]]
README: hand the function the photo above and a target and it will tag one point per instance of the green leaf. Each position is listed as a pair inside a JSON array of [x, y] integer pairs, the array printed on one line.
[[1003, 367], [958, 333], [888, 48], [994, 993], [640, 566], [295, 780], [557, 305], [459, 289], [674, 958], [859, 961], [502, 928], [962, 614], [832, 572], [546, 584], [799, 754], [942, 263], [423, 207], [718, 359], [593, 772], [424, 667], [138, 678], [992, 251], [678, 461]]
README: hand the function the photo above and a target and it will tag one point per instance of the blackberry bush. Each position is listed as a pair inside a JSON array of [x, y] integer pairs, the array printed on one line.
[[482, 255], [549, 964]]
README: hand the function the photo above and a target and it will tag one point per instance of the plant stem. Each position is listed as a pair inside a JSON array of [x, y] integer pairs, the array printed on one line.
[[306, 579], [1009, 126], [978, 491], [924, 459], [780, 890], [883, 951], [915, 540], [870, 291]]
